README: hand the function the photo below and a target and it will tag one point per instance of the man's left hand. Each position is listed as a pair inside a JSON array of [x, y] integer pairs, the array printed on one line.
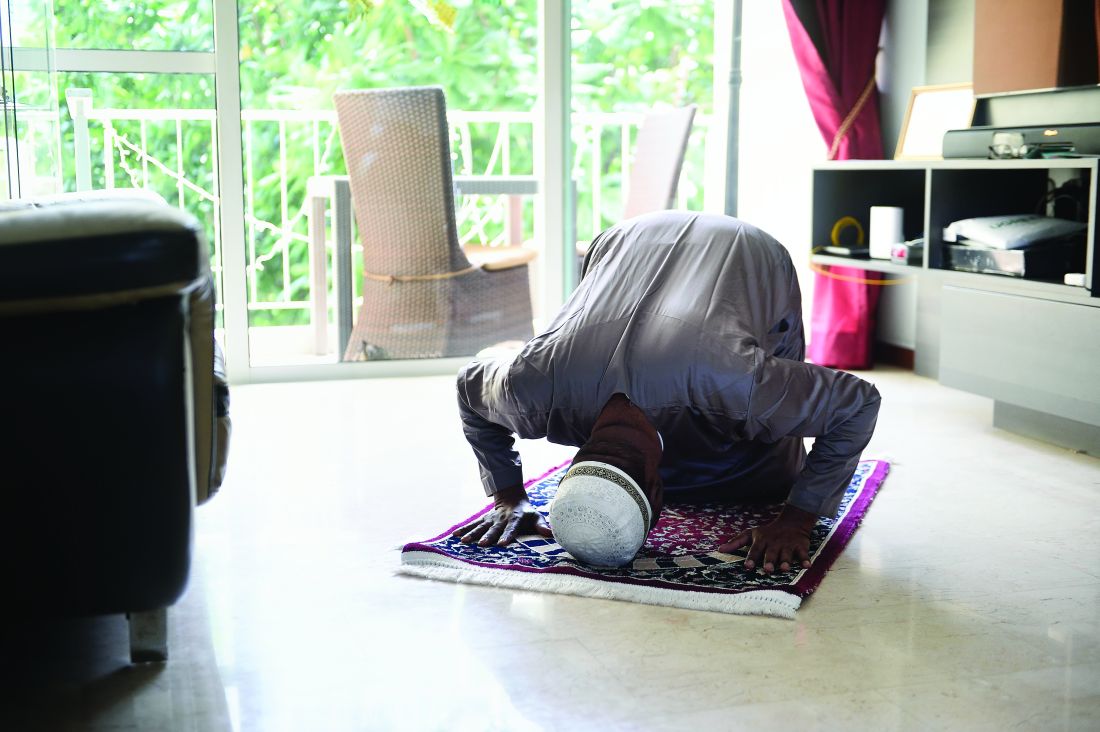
[[779, 544]]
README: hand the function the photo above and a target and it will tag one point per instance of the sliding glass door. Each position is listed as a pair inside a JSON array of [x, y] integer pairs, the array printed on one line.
[[306, 284], [226, 110]]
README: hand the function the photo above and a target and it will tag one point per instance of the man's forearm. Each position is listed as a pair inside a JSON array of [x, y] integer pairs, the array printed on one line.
[[493, 446], [833, 460]]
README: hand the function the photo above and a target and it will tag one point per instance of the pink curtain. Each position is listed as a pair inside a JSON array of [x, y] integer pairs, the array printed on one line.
[[835, 43]]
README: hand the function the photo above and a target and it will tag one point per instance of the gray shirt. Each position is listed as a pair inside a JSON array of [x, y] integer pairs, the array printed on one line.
[[696, 318]]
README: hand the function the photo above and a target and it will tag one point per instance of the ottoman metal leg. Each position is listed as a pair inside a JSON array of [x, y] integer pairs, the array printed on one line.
[[149, 636]]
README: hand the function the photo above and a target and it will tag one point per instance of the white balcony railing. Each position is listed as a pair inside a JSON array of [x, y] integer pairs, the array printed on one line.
[[173, 151]]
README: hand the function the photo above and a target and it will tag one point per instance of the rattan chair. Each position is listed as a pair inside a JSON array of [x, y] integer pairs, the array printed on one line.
[[423, 296], [658, 159]]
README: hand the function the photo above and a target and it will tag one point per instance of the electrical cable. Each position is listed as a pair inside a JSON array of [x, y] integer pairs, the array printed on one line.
[[846, 222]]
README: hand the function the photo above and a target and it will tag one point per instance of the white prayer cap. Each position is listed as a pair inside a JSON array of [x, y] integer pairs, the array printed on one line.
[[600, 515]]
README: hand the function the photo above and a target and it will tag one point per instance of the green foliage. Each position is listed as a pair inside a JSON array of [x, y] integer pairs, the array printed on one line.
[[294, 55], [164, 25], [628, 56]]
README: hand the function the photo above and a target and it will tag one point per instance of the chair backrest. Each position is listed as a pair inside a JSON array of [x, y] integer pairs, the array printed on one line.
[[658, 157], [398, 156]]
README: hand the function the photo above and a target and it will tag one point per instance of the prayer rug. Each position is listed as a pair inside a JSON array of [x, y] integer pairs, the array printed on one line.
[[679, 565]]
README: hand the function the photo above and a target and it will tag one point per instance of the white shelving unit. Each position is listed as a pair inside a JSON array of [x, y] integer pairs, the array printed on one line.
[[1033, 346]]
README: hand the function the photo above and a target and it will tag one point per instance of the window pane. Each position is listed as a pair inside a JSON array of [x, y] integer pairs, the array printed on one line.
[[29, 155], [483, 53], [154, 131], [152, 25], [629, 58]]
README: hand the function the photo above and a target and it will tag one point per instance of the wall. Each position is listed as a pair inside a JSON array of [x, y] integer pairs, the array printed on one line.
[[950, 54], [925, 42], [902, 63], [778, 141]]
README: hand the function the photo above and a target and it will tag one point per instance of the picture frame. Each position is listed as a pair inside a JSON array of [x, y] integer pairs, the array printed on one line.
[[932, 111]]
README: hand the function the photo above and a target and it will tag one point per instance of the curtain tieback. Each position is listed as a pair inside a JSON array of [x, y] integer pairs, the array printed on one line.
[[842, 131]]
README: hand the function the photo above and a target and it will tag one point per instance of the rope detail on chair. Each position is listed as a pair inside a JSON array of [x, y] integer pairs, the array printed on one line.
[[420, 278]]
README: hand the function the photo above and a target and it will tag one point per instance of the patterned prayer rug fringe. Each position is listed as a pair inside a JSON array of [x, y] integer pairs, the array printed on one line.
[[775, 603]]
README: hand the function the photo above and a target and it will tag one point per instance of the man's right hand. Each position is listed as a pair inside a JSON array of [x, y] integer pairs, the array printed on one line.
[[512, 514]]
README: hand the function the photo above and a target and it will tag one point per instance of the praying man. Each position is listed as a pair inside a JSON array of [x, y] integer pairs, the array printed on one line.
[[678, 360]]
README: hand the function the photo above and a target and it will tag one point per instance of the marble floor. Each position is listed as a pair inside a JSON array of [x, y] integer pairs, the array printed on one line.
[[969, 599]]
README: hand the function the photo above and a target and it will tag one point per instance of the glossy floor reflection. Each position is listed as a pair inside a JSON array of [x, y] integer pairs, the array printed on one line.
[[969, 599]]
